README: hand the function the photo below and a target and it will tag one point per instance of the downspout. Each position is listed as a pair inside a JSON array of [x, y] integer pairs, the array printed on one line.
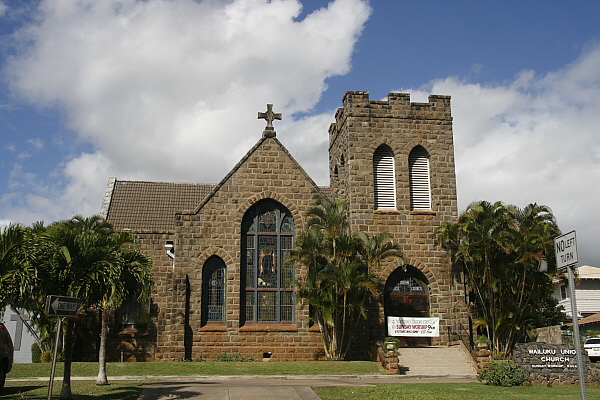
[[170, 248]]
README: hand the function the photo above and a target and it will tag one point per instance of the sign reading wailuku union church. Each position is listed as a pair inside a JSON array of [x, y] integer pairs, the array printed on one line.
[[556, 363], [563, 358], [413, 326]]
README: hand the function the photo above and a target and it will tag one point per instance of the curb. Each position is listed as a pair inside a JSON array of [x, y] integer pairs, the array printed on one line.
[[202, 378]]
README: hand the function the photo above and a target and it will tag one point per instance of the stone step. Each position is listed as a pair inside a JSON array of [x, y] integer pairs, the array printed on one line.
[[434, 361]]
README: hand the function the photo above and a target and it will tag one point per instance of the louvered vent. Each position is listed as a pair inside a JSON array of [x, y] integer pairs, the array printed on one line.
[[420, 193], [385, 179]]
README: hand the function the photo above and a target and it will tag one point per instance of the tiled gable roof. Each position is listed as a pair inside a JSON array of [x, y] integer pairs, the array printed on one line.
[[151, 206]]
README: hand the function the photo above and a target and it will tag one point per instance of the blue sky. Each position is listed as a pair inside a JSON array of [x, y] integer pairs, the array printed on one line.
[[155, 90]]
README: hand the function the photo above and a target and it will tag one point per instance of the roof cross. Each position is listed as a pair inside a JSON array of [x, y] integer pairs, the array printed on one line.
[[269, 116]]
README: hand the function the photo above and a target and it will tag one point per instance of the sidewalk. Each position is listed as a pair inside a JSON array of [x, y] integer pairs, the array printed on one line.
[[258, 387], [270, 387]]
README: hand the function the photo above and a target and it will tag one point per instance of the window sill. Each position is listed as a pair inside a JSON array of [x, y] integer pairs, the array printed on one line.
[[269, 328], [314, 328], [387, 211], [213, 328], [422, 212]]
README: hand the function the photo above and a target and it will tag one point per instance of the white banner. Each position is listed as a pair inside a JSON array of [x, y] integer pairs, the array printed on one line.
[[413, 326]]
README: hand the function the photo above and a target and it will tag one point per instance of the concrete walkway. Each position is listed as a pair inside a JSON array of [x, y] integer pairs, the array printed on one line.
[[257, 387], [270, 388]]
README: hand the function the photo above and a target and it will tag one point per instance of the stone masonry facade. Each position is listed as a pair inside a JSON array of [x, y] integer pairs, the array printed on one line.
[[211, 226], [363, 125]]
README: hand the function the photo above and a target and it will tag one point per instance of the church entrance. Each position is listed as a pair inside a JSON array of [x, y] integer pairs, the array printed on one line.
[[406, 294]]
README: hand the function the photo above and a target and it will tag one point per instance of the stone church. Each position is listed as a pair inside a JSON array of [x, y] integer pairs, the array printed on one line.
[[222, 279]]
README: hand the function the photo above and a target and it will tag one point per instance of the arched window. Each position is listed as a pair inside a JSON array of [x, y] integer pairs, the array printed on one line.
[[420, 193], [385, 178], [213, 291], [267, 276]]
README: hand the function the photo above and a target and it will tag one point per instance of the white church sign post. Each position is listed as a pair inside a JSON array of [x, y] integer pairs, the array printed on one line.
[[565, 248]]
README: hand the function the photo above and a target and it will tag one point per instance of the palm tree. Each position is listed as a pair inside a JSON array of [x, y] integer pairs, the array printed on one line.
[[12, 242], [128, 279], [80, 257], [79, 261], [122, 273], [338, 282], [500, 248], [375, 249]]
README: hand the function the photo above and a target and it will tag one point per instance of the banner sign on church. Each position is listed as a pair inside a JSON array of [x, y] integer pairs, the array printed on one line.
[[413, 326]]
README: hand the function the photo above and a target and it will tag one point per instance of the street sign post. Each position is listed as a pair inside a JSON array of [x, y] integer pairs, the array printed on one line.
[[59, 306], [565, 249], [62, 306]]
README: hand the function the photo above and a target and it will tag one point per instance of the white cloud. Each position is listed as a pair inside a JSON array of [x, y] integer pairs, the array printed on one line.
[[36, 144], [158, 86], [536, 139], [87, 176], [308, 141], [160, 89], [171, 90]]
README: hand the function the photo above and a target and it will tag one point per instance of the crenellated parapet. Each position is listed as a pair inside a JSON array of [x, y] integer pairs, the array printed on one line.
[[397, 106]]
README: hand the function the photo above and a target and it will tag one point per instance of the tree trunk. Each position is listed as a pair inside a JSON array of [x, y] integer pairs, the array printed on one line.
[[65, 393], [102, 378]]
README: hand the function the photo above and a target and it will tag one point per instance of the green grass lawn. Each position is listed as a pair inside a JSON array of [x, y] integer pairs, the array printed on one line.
[[131, 389], [454, 391], [204, 368], [122, 390]]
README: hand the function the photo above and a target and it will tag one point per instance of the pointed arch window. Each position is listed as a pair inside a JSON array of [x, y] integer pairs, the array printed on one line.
[[213, 291], [420, 186], [385, 178], [268, 277]]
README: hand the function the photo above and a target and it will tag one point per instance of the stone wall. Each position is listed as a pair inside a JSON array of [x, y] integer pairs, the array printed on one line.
[[549, 334], [361, 126], [150, 341], [554, 364], [214, 229]]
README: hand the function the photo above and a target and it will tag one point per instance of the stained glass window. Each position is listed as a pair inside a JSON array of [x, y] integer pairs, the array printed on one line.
[[268, 230], [409, 285], [213, 291]]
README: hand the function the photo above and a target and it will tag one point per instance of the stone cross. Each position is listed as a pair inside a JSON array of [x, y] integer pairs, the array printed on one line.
[[19, 328], [269, 116]]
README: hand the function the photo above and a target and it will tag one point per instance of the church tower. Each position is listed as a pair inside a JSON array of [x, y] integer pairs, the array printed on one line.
[[392, 162]]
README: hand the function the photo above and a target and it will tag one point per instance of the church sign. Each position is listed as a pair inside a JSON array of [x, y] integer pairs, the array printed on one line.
[[413, 326], [552, 363], [552, 358]]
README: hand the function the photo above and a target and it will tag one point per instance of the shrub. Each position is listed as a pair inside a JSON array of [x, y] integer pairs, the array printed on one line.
[[46, 357], [233, 357], [36, 353], [504, 373], [393, 340]]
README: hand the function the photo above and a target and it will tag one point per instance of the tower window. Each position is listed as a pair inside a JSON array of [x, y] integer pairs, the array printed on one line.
[[385, 179], [420, 192]]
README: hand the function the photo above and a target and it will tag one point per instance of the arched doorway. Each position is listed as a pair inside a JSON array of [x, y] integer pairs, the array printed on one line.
[[406, 294]]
